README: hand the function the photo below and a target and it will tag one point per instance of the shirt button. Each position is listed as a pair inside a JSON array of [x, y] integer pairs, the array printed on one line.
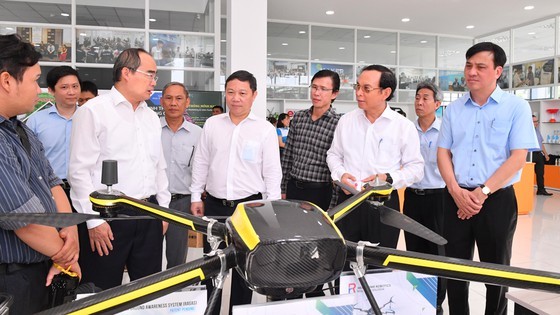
[[40, 177], [478, 122], [473, 165], [474, 150], [476, 136], [471, 179]]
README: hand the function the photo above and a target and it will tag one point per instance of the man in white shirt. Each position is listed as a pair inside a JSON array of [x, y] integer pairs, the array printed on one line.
[[374, 141], [179, 139], [237, 160], [120, 126]]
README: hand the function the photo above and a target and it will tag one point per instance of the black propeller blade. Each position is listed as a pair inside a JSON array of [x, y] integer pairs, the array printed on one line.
[[60, 219], [396, 219]]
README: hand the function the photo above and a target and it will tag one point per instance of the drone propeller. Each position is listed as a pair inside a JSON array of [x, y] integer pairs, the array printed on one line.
[[61, 219], [379, 192], [140, 291]]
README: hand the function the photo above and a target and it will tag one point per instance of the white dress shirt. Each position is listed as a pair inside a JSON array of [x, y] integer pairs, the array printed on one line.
[[389, 145], [107, 128], [178, 149], [236, 161]]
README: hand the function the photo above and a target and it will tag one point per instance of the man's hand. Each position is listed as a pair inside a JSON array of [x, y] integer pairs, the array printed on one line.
[[165, 226], [100, 238], [469, 203], [546, 157], [70, 252], [197, 208], [349, 180], [283, 196], [53, 271]]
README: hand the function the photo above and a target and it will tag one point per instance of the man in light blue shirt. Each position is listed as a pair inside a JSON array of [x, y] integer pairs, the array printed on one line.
[[483, 144], [423, 200], [179, 138], [54, 124]]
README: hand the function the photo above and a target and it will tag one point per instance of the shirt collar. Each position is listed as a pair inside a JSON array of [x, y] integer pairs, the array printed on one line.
[[118, 98], [435, 125], [330, 112], [185, 125], [495, 97], [226, 116]]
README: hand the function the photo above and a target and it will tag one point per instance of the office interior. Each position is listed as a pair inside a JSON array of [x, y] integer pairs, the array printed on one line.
[[303, 37]]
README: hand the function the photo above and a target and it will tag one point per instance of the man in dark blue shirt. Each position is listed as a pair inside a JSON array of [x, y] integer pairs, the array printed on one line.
[[30, 254]]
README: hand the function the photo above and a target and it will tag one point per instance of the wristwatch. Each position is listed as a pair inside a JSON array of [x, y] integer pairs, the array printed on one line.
[[485, 190], [389, 179]]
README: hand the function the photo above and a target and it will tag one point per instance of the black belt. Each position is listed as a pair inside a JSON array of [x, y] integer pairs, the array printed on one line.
[[233, 203], [65, 185], [178, 196], [423, 192], [309, 185], [499, 190]]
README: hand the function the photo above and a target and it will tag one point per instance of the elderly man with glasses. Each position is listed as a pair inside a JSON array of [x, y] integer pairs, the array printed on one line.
[[119, 126], [372, 142]]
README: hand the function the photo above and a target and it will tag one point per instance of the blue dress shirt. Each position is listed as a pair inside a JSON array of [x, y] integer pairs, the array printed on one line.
[[54, 132], [481, 137], [428, 148]]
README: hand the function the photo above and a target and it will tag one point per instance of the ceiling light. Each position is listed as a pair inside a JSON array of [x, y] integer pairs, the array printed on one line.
[[83, 34], [284, 44], [423, 41], [367, 36], [223, 40], [393, 51], [529, 7], [64, 14], [341, 48], [269, 54], [531, 33], [330, 12], [302, 32], [469, 27], [152, 20], [10, 28], [405, 20]]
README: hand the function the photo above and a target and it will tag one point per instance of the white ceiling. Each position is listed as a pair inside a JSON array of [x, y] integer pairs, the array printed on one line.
[[445, 17]]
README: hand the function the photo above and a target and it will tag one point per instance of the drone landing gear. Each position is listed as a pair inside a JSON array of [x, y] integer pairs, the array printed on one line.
[[359, 269], [219, 280]]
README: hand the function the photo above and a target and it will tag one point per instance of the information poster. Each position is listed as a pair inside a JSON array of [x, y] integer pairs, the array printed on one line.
[[198, 111]]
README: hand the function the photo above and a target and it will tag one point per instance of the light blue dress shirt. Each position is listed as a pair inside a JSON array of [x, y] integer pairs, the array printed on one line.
[[178, 149], [481, 137], [428, 148], [53, 130]]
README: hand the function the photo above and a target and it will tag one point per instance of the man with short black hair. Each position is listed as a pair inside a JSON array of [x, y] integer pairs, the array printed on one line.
[[237, 160], [539, 158], [217, 110], [88, 91], [482, 147], [29, 253]]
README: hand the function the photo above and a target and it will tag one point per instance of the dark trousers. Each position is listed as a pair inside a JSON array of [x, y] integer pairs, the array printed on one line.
[[317, 193], [26, 284], [137, 244], [427, 210], [492, 230], [177, 236], [363, 224], [240, 292], [538, 159]]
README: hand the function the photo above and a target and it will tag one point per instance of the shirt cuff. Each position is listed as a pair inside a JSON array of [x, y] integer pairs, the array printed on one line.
[[196, 197], [94, 223]]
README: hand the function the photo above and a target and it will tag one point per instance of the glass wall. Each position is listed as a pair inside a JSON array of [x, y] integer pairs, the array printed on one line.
[[180, 38]]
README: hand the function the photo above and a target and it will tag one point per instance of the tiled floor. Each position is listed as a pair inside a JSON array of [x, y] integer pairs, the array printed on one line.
[[536, 246]]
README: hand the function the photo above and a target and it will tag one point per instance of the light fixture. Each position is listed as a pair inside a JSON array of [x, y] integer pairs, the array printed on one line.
[[423, 41], [330, 12], [284, 44], [9, 28], [83, 34], [341, 48], [302, 32], [393, 51], [152, 20], [531, 33], [529, 7], [64, 14], [469, 27], [223, 40], [367, 36], [404, 20]]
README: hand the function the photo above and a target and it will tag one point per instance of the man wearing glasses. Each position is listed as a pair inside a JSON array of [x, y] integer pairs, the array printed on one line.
[[306, 175], [179, 138], [120, 126], [372, 142]]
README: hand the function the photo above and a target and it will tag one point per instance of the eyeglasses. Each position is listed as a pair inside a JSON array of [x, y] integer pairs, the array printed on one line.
[[365, 88], [316, 88], [152, 76]]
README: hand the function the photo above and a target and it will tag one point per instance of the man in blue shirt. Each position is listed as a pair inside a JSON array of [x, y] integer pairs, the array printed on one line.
[[29, 185], [423, 200], [483, 144], [54, 124]]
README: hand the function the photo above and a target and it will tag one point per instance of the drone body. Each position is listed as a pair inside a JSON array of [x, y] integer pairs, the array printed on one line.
[[286, 248]]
